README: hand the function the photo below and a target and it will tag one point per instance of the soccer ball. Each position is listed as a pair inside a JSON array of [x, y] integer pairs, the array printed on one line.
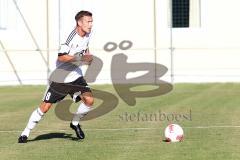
[[173, 133]]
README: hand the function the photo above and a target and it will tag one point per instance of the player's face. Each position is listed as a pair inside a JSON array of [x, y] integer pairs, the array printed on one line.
[[86, 23]]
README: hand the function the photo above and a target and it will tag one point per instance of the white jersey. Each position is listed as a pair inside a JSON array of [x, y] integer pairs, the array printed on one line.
[[66, 72]]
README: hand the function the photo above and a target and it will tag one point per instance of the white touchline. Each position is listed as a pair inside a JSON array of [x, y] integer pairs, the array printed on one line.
[[119, 129]]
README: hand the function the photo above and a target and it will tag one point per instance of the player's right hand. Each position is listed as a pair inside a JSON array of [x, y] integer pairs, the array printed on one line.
[[87, 58]]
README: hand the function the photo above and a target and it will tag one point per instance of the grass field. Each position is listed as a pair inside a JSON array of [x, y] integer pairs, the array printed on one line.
[[208, 113]]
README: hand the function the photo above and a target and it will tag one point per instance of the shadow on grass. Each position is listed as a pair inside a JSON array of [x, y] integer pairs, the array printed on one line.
[[54, 136]]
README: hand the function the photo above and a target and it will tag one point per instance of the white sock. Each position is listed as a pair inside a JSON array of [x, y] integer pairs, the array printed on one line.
[[81, 112], [35, 117]]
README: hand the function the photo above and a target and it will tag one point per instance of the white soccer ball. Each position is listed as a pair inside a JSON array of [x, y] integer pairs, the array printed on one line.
[[173, 133]]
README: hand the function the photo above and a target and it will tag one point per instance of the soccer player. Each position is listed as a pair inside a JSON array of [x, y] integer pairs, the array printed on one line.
[[68, 77]]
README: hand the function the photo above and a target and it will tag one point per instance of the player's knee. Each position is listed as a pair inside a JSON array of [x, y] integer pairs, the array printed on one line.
[[45, 107], [89, 101]]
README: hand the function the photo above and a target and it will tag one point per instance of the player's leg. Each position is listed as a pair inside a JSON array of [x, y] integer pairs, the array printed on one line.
[[51, 96], [35, 117], [85, 106]]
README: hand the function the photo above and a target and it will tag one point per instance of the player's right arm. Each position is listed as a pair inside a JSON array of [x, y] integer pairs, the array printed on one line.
[[67, 58], [63, 54], [77, 57]]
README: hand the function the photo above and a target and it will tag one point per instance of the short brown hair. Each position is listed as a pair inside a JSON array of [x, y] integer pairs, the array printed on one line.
[[81, 14]]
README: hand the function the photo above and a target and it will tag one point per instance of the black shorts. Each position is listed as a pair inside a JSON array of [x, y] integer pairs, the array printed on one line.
[[58, 91]]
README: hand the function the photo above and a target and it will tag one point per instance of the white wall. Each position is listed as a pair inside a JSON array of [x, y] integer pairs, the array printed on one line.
[[208, 53]]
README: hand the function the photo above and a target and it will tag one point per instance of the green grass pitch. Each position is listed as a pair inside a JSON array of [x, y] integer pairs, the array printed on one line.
[[208, 113]]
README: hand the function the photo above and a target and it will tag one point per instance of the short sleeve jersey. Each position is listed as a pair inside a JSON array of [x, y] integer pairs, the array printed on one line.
[[75, 44]]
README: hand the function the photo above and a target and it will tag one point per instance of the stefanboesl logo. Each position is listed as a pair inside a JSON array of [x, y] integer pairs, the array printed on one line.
[[155, 116]]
